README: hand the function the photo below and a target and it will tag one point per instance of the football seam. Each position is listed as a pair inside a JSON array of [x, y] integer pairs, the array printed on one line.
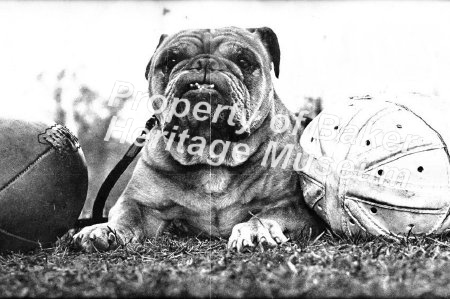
[[24, 171]]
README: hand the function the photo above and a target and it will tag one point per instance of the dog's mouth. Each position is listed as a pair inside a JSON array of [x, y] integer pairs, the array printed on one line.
[[199, 89], [212, 93], [201, 86], [195, 86]]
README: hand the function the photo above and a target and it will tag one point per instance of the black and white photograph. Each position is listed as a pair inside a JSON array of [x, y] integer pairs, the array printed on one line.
[[224, 149]]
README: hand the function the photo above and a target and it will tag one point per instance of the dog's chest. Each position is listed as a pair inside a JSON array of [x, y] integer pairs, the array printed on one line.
[[215, 181]]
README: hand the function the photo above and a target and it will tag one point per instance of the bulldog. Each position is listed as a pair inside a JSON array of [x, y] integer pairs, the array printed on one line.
[[211, 164]]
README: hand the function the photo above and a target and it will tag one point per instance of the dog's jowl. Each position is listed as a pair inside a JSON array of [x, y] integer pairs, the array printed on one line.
[[214, 163]]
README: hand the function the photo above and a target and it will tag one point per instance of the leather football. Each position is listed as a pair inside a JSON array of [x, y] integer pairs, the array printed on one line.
[[43, 183]]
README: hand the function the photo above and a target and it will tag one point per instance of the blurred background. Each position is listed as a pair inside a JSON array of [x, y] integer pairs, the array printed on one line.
[[60, 60]]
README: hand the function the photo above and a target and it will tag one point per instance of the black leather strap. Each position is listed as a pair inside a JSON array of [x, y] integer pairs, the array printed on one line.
[[113, 176]]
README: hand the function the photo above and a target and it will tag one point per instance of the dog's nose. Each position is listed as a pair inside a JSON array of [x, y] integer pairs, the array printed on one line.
[[206, 63]]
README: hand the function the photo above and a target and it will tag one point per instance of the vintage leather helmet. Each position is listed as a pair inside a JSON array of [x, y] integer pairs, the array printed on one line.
[[373, 166]]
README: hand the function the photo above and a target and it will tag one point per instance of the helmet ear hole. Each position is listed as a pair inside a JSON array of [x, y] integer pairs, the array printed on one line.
[[373, 210], [420, 168]]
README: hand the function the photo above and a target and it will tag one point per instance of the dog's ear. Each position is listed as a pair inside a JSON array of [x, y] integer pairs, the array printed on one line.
[[147, 69], [270, 41]]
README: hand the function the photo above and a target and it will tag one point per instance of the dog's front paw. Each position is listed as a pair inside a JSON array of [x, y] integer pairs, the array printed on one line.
[[100, 237], [256, 232]]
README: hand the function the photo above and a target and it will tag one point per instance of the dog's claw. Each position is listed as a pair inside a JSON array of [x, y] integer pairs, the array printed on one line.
[[111, 238], [231, 244], [265, 232], [99, 237]]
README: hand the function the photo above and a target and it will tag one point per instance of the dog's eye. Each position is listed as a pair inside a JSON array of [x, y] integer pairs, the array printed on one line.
[[170, 61], [243, 63], [170, 64]]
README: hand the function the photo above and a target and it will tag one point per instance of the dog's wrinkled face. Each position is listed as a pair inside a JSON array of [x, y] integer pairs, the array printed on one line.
[[227, 68]]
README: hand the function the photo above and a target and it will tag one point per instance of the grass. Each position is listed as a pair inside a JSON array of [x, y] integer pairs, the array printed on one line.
[[180, 266]]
